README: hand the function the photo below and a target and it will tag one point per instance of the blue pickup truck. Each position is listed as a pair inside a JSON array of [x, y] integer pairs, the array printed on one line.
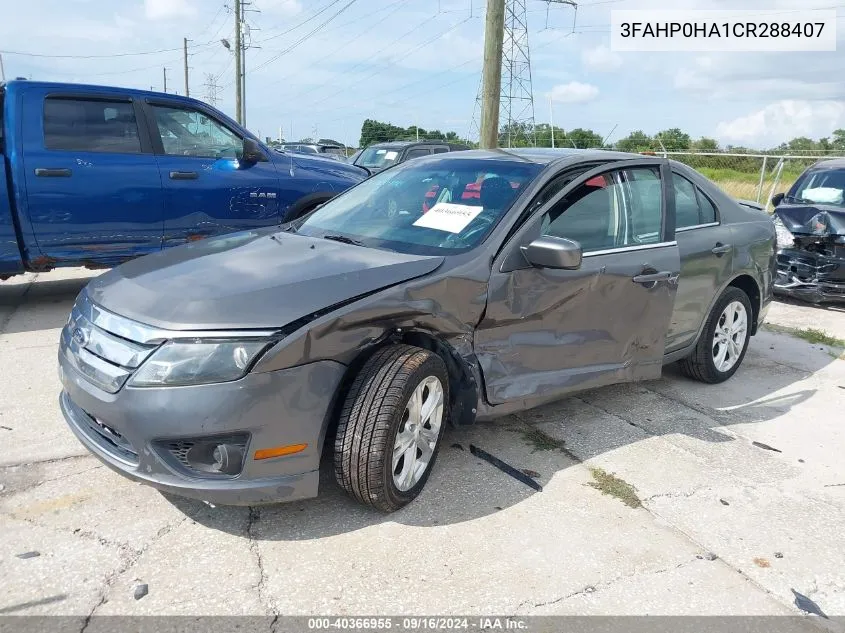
[[94, 176]]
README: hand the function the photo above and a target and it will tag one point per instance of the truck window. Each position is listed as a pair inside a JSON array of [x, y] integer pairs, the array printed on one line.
[[90, 126], [187, 132]]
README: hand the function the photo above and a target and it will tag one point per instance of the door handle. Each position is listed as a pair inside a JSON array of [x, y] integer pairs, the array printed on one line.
[[651, 278], [184, 175], [720, 249], [44, 172]]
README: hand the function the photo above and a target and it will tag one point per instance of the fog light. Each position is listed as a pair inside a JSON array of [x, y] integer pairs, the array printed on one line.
[[227, 458]]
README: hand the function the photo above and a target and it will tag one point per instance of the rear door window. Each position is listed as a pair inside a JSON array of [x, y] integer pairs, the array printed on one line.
[[692, 207], [90, 126], [416, 152]]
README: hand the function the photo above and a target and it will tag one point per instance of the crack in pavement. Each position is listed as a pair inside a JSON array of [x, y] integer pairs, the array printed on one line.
[[670, 524], [590, 589], [253, 516], [129, 562], [52, 460]]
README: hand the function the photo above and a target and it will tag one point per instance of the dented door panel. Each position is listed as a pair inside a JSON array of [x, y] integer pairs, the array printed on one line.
[[550, 332]]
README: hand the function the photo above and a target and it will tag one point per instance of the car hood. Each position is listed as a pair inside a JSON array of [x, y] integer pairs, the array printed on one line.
[[252, 279], [812, 219]]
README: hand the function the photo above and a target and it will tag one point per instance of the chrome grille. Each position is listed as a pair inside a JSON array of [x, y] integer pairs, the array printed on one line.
[[107, 348], [91, 345]]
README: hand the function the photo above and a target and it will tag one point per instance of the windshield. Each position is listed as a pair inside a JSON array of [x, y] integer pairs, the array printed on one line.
[[820, 186], [337, 151], [439, 206], [378, 157]]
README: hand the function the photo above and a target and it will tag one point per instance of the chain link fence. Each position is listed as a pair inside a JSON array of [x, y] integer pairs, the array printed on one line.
[[754, 177]]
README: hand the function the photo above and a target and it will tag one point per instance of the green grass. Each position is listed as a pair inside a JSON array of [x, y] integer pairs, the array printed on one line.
[[734, 175], [612, 485], [540, 440], [811, 335]]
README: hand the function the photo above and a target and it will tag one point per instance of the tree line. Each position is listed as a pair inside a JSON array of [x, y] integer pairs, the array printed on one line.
[[541, 135]]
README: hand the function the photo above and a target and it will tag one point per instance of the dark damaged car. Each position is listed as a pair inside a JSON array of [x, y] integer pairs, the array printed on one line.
[[810, 224], [218, 370]]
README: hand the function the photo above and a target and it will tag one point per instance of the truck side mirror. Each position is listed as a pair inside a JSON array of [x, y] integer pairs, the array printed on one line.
[[777, 199], [252, 152]]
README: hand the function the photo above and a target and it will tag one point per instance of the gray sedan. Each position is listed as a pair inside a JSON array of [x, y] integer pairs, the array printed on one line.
[[454, 288]]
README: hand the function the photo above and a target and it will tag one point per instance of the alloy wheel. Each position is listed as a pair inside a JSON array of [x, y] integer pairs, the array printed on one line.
[[729, 337], [418, 434]]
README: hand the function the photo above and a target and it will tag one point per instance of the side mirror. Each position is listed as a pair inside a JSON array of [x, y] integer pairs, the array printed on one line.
[[553, 252], [777, 199], [252, 152]]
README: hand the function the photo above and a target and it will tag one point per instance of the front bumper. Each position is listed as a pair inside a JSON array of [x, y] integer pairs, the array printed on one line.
[[127, 430], [810, 276]]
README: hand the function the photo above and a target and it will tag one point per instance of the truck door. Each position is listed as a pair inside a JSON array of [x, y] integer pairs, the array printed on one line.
[[207, 189], [93, 191]]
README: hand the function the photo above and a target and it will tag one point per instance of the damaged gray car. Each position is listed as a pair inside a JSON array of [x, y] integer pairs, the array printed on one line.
[[449, 289], [810, 224]]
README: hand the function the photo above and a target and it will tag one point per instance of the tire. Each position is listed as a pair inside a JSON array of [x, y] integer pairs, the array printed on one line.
[[376, 414], [702, 363]]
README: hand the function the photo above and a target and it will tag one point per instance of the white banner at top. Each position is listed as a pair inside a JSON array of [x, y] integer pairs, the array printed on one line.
[[775, 30]]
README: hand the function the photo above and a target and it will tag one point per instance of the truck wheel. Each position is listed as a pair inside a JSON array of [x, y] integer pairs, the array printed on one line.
[[390, 426], [724, 341]]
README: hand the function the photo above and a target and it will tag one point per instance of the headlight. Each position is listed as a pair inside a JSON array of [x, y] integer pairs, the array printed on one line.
[[184, 363], [784, 237]]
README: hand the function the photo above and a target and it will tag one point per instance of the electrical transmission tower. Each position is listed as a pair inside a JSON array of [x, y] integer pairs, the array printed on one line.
[[516, 102], [211, 88]]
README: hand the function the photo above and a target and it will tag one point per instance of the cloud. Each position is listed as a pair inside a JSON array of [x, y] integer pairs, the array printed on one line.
[[574, 92], [165, 9], [601, 59], [782, 121]]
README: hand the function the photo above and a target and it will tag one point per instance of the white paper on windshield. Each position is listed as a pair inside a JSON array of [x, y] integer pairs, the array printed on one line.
[[823, 195], [381, 151], [391, 155], [447, 216]]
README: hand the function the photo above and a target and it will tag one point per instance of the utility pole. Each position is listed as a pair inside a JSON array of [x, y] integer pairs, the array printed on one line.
[[185, 51], [494, 31], [552, 121], [164, 72], [238, 68], [2, 70]]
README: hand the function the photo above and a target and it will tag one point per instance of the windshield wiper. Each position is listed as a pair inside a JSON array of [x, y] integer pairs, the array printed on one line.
[[797, 199], [342, 238]]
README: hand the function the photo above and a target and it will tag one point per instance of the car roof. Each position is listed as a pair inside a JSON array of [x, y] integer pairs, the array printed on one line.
[[397, 144], [541, 155], [830, 163]]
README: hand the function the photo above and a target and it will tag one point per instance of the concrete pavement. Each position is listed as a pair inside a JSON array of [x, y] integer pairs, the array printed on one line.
[[741, 486]]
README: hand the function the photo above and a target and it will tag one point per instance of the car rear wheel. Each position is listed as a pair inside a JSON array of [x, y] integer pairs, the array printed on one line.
[[390, 426], [722, 346]]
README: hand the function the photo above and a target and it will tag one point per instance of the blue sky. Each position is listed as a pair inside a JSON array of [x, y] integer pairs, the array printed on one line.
[[418, 62]]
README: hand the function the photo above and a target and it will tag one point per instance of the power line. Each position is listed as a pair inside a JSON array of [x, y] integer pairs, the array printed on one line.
[[398, 5], [155, 52], [303, 23], [395, 60], [303, 38]]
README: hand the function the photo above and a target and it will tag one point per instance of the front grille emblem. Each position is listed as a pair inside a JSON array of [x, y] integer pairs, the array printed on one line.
[[80, 336]]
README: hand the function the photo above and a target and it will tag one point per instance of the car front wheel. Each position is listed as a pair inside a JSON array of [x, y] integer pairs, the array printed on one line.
[[724, 341], [390, 426]]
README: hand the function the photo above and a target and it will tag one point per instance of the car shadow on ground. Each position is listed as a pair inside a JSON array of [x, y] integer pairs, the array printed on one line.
[[48, 301], [548, 440]]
